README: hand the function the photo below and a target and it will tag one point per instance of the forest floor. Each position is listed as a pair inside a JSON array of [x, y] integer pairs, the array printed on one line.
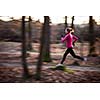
[[11, 68]]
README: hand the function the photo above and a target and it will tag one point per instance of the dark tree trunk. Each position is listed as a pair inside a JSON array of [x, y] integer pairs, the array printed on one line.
[[46, 52], [40, 59], [72, 25], [29, 40], [24, 62], [91, 37], [66, 22]]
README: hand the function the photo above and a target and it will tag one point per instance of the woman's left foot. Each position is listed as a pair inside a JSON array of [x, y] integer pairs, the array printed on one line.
[[85, 59]]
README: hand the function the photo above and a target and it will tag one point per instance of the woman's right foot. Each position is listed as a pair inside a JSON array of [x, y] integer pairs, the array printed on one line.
[[59, 65]]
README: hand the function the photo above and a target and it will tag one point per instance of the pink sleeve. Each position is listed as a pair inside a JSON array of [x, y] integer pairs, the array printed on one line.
[[75, 38], [64, 38]]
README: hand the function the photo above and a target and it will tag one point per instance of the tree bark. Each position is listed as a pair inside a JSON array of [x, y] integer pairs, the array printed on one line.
[[46, 52], [29, 40], [91, 37], [66, 22], [72, 25], [40, 58], [24, 55]]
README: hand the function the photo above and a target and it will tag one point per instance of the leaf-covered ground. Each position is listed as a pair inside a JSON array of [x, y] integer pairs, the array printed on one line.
[[11, 68], [14, 75]]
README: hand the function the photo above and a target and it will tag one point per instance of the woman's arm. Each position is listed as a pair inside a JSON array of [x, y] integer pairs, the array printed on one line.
[[64, 38], [75, 38]]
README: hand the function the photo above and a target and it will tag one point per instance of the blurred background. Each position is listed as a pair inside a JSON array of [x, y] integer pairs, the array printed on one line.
[[33, 38], [87, 28]]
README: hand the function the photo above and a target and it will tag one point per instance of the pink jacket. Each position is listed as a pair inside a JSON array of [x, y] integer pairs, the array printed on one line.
[[69, 38]]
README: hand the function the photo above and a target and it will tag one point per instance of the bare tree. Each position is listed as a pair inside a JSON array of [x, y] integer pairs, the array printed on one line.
[[29, 38], [46, 52], [66, 22], [72, 25], [24, 62], [40, 59], [91, 37]]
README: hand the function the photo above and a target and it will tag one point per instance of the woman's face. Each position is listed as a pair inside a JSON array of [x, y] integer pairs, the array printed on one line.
[[68, 30]]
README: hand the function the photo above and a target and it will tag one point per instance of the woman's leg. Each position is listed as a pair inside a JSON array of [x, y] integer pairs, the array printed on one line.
[[75, 56], [64, 56]]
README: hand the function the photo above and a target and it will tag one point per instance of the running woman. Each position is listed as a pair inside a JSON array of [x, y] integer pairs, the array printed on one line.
[[70, 40]]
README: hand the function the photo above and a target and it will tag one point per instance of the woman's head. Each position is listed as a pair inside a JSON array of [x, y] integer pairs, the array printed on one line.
[[68, 30]]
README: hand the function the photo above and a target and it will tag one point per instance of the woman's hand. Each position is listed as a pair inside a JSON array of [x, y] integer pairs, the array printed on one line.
[[73, 43], [61, 38]]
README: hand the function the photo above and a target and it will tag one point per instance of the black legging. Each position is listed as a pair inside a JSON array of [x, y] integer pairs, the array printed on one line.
[[70, 50]]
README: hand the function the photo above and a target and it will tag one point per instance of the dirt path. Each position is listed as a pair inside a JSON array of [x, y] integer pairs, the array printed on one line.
[[81, 68], [10, 56]]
